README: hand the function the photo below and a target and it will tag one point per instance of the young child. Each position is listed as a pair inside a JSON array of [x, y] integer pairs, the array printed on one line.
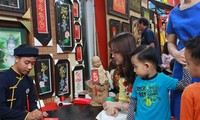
[[166, 59], [150, 95], [190, 105]]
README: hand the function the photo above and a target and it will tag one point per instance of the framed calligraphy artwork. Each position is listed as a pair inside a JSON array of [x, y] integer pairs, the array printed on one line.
[[118, 8], [145, 13], [62, 69], [125, 27], [114, 27], [78, 80], [13, 7], [41, 21], [76, 10], [79, 53], [135, 5], [77, 31], [134, 29], [10, 38], [64, 26], [43, 72], [133, 23]]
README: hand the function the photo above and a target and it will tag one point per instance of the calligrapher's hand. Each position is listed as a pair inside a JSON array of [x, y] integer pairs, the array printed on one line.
[[45, 114], [35, 115], [112, 111], [180, 57]]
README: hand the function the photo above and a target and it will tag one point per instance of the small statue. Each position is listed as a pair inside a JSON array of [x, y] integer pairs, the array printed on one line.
[[96, 64], [98, 91]]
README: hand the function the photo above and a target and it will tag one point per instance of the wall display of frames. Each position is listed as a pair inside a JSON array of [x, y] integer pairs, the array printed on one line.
[[41, 21], [78, 80], [135, 5], [13, 7], [79, 53], [43, 72], [10, 38], [125, 27], [114, 27], [62, 70], [77, 31], [76, 13], [118, 8], [64, 25], [145, 13]]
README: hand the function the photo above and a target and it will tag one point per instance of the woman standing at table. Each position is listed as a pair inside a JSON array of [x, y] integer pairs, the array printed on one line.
[[121, 46], [183, 24]]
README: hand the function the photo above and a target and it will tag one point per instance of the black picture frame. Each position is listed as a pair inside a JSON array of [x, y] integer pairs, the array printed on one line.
[[114, 27], [122, 11], [15, 8], [78, 80], [135, 5], [44, 79], [41, 21], [64, 28], [62, 75], [125, 27]]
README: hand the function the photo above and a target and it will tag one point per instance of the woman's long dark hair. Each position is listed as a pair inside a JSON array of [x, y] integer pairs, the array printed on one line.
[[124, 43]]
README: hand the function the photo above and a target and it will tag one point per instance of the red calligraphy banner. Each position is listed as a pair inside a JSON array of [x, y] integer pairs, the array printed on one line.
[[41, 16], [79, 53], [119, 6], [77, 31], [75, 10]]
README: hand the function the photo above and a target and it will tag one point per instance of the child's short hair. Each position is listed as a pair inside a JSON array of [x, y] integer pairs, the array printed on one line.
[[193, 45], [146, 53]]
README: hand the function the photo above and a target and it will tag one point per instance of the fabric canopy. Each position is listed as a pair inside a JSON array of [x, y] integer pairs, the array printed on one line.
[[160, 7]]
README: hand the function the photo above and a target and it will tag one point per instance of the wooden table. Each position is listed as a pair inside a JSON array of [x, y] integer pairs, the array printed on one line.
[[76, 112]]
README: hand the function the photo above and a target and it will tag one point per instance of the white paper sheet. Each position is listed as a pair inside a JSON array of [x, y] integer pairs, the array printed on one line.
[[103, 116]]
